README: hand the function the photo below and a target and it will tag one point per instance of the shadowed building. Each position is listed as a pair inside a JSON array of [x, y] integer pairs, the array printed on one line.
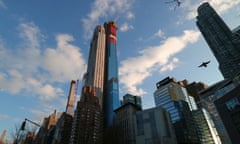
[[125, 118], [221, 40], [153, 126], [138, 126], [45, 133], [205, 127], [88, 119], [64, 124], [228, 107], [136, 100]]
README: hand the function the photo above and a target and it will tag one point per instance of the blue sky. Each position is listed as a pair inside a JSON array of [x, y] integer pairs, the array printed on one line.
[[45, 44]]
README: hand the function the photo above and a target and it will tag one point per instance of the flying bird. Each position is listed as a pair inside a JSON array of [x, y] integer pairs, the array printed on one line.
[[178, 3], [204, 64]]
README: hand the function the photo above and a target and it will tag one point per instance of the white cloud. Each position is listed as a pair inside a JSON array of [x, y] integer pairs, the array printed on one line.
[[134, 70], [220, 6], [35, 69], [170, 66], [130, 15], [64, 62], [125, 27], [31, 34], [104, 9]]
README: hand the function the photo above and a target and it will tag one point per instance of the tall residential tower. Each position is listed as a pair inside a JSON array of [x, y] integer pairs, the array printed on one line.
[[111, 98], [102, 71], [220, 40]]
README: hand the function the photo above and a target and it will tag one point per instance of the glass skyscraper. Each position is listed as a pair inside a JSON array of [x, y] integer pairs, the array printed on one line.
[[170, 96], [111, 95], [220, 40], [102, 71]]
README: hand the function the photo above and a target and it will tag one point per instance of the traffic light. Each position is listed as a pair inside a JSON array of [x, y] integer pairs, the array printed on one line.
[[23, 125]]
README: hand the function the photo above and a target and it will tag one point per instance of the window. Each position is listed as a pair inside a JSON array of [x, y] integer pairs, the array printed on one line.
[[232, 103]]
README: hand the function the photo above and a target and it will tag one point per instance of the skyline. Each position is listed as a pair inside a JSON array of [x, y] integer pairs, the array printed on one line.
[[39, 58]]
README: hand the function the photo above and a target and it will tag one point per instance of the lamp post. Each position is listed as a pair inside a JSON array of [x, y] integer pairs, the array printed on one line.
[[22, 128]]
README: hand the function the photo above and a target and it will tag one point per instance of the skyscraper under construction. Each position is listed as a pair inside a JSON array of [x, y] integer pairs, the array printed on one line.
[[102, 71]]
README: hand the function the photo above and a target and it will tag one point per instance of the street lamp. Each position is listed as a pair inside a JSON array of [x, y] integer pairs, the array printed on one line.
[[22, 128]]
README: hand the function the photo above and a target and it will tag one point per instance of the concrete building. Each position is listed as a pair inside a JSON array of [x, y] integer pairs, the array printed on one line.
[[221, 40], [88, 119], [125, 121], [153, 126], [63, 127], [45, 133], [136, 100]]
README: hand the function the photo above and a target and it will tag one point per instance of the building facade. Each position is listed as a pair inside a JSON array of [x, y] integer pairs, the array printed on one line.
[[170, 96], [45, 133], [102, 71], [153, 126], [88, 119], [111, 94], [228, 107], [136, 100], [125, 121], [220, 40], [205, 127], [193, 89], [208, 97], [63, 129], [96, 62]]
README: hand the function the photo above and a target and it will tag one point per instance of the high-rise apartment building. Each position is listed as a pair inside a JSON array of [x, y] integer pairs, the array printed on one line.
[[111, 94], [88, 119], [102, 71], [220, 40], [95, 75]]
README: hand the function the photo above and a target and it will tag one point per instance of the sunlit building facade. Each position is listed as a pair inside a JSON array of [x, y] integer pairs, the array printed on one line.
[[169, 95], [102, 71], [96, 62]]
